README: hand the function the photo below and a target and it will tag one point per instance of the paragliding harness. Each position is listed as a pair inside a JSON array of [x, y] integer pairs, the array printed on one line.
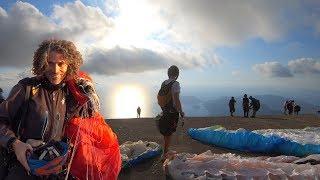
[[46, 159]]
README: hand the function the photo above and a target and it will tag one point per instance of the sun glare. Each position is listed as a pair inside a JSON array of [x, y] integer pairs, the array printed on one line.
[[126, 100], [135, 24]]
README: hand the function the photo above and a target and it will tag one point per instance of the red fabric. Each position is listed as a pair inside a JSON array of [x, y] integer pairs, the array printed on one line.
[[84, 75], [76, 93], [97, 154], [80, 97]]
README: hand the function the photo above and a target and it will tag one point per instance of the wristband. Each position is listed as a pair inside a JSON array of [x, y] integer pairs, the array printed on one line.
[[10, 143]]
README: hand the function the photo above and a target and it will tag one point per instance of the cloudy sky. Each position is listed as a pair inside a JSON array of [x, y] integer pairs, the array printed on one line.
[[246, 46]]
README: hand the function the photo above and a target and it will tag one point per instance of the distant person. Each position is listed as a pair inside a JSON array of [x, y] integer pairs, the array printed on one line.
[[290, 107], [169, 101], [1, 96], [255, 105], [297, 109], [285, 109], [245, 105], [232, 103], [138, 112]]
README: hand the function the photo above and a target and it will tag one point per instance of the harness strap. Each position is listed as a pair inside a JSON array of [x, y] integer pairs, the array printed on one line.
[[25, 109]]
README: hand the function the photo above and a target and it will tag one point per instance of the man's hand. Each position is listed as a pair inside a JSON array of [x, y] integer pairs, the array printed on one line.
[[20, 149]]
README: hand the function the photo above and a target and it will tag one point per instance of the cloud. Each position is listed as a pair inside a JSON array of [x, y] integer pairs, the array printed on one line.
[[235, 73], [305, 66], [272, 69], [213, 22], [173, 32], [76, 19], [23, 27], [15, 75], [121, 60]]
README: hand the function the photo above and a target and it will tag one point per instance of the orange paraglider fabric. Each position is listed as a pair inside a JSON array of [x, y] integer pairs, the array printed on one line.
[[76, 93], [97, 155]]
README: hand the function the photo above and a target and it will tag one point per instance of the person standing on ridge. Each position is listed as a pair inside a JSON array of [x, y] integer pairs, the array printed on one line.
[[169, 101], [245, 106], [232, 103], [255, 105], [297, 109], [290, 107], [138, 112], [285, 109]]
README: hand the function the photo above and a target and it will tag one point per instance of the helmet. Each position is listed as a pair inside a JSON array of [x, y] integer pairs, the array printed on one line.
[[48, 159]]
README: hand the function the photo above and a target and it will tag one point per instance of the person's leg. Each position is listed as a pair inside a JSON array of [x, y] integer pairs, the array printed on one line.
[[253, 113], [167, 140]]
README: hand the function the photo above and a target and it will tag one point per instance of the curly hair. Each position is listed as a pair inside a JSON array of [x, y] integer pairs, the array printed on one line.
[[66, 48]]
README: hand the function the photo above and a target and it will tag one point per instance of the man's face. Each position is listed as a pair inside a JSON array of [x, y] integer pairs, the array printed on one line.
[[57, 68]]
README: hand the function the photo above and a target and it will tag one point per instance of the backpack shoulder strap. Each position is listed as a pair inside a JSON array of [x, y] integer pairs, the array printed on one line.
[[28, 83], [170, 84], [24, 111]]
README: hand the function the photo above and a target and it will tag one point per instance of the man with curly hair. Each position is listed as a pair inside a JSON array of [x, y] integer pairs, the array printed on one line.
[[27, 123]]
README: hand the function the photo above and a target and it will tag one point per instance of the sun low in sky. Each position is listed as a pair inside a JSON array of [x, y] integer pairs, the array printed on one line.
[[126, 100]]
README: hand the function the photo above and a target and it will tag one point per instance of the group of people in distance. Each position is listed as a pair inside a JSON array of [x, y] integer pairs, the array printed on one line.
[[290, 107], [247, 104]]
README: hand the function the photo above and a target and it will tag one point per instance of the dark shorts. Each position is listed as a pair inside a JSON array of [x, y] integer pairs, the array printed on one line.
[[168, 123]]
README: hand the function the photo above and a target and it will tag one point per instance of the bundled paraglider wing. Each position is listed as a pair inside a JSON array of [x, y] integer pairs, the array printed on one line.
[[96, 153]]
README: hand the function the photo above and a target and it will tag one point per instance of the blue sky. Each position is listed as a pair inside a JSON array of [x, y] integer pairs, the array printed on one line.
[[222, 47]]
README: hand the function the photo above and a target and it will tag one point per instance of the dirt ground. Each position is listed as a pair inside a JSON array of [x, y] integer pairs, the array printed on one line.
[[145, 129]]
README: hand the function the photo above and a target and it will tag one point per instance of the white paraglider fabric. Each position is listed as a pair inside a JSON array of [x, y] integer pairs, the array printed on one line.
[[231, 166], [134, 152], [308, 135]]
